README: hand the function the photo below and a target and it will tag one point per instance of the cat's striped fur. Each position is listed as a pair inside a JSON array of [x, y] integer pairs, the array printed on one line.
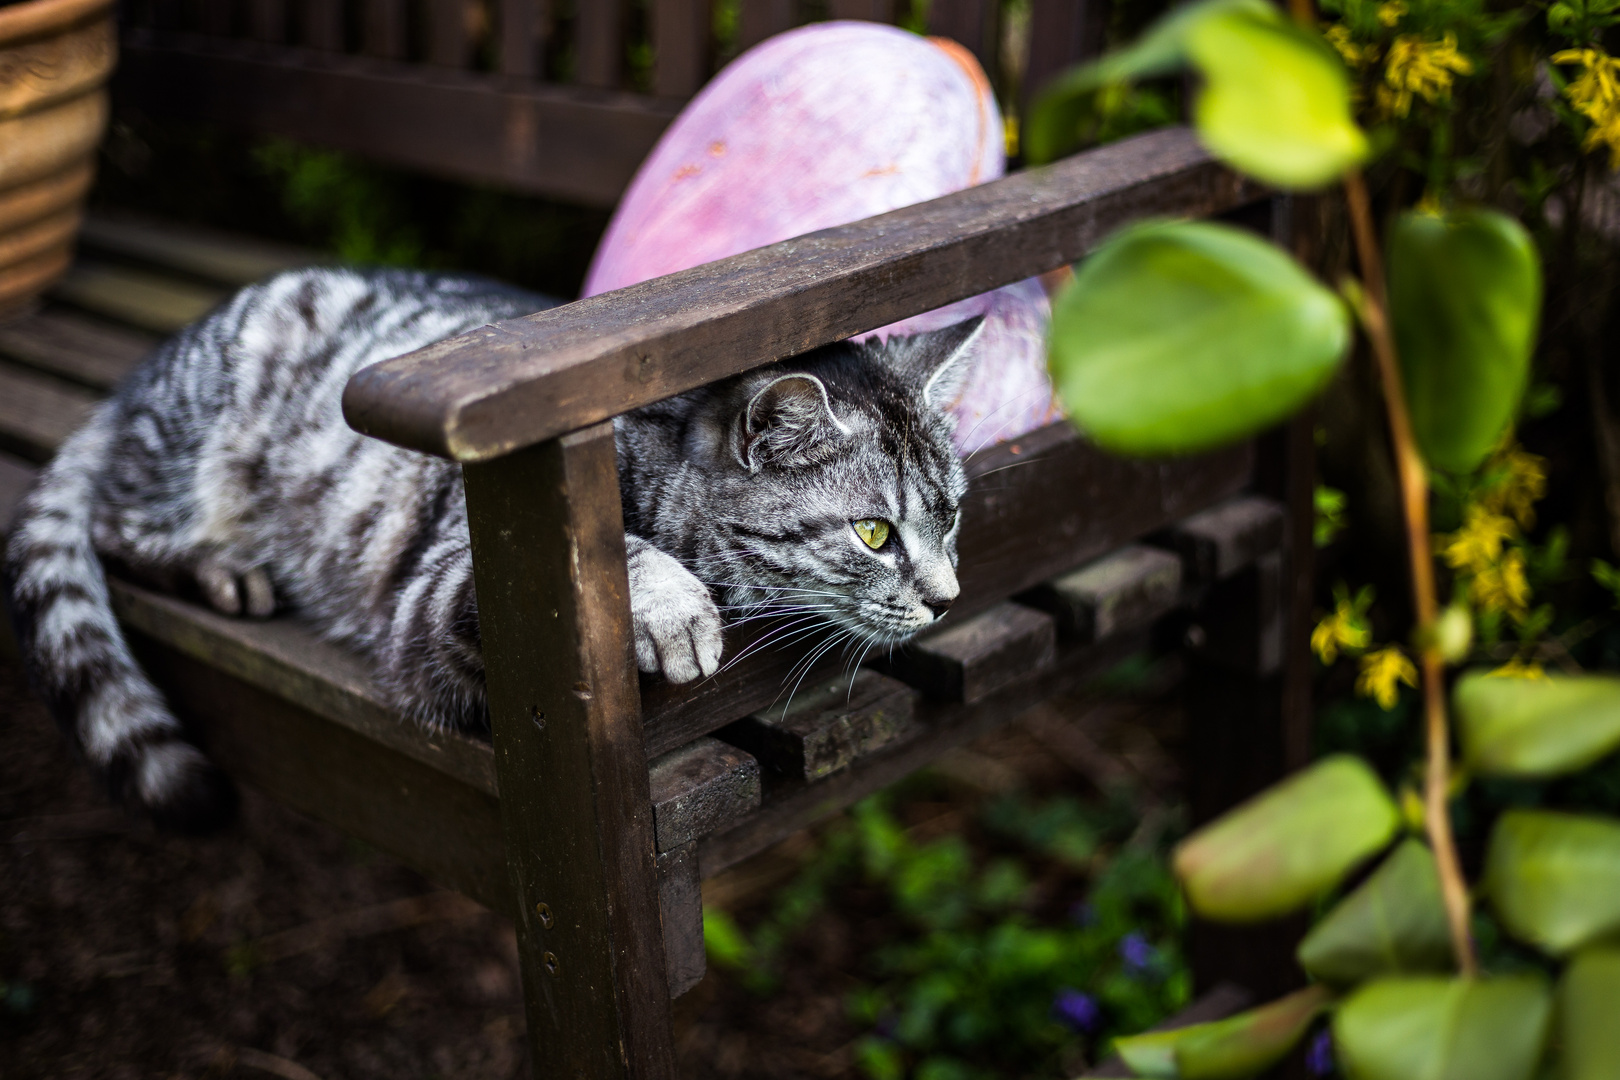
[[223, 468]]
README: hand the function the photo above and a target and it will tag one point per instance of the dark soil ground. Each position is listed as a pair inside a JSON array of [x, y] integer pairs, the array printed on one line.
[[282, 948]]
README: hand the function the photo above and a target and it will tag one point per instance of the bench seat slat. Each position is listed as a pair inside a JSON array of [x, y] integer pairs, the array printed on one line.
[[37, 411], [220, 257], [74, 347], [150, 301]]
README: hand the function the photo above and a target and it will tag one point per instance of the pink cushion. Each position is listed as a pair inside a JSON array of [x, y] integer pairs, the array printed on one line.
[[819, 127]]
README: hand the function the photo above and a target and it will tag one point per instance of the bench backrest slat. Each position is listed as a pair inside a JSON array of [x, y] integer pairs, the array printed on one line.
[[503, 387]]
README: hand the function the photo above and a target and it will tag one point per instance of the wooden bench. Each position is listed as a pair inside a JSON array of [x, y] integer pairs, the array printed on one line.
[[604, 798]]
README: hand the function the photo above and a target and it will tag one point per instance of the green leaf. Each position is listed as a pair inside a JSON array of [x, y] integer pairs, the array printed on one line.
[[1276, 99], [1588, 1004], [1555, 878], [1536, 727], [1443, 1029], [1175, 337], [1282, 848], [1063, 105], [1395, 923], [1464, 297], [1238, 1046]]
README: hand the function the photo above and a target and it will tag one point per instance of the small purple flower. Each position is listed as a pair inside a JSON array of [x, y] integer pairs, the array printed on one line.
[[1319, 1058], [1083, 913], [1137, 953], [1079, 1011]]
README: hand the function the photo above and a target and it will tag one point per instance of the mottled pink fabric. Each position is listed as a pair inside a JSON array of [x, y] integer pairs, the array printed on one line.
[[819, 127]]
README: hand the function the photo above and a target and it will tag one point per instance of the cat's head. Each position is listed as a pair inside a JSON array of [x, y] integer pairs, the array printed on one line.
[[838, 486]]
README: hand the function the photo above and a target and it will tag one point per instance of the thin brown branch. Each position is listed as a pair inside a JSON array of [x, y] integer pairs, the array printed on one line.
[[1414, 485]]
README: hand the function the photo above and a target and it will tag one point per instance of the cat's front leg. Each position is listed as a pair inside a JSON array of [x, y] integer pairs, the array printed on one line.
[[677, 624]]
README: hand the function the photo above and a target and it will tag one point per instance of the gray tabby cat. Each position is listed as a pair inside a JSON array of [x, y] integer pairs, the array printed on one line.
[[824, 488]]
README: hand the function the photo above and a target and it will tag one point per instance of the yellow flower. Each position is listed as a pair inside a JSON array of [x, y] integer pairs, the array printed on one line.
[[1595, 94], [1502, 586], [1477, 546], [1339, 630], [1522, 483], [1519, 669], [1390, 13], [1424, 68], [1381, 672], [1357, 56]]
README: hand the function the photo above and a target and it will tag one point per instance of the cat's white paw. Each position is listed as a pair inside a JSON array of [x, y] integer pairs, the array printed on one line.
[[677, 625]]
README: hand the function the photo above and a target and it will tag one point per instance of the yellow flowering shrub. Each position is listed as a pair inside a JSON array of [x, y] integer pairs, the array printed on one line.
[[1381, 674], [1422, 68], [1345, 628], [1595, 94]]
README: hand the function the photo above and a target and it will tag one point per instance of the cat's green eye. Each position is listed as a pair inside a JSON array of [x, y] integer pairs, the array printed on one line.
[[873, 533]]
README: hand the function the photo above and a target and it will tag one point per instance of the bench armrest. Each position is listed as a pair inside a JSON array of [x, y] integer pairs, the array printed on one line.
[[499, 388]]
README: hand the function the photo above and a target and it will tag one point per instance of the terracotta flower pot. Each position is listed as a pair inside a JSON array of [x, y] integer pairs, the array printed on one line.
[[55, 57]]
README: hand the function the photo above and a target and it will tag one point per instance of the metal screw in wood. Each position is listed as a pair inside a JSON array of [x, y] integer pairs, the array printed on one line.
[[543, 910]]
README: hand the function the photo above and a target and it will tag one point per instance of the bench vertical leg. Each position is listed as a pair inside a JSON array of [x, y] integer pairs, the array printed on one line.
[[554, 615]]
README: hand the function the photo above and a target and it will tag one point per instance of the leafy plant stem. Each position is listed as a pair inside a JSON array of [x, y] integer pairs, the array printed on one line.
[[1414, 484]]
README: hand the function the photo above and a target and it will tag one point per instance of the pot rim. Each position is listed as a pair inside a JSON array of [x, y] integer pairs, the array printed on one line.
[[35, 18]]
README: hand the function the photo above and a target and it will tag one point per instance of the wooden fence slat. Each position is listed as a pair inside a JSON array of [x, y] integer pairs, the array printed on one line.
[[680, 46], [870, 10], [323, 25], [970, 23], [598, 49], [1061, 32], [268, 20], [382, 28], [530, 137], [761, 19], [502, 387], [217, 18], [448, 43], [523, 29]]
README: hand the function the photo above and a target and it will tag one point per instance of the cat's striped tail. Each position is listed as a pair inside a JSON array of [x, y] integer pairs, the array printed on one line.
[[78, 660]]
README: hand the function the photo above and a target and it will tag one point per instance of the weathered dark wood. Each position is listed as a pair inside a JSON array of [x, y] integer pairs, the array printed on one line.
[[680, 46], [156, 302], [218, 256], [1061, 32], [267, 20], [15, 476], [680, 910], [699, 788], [73, 347], [282, 658], [37, 411], [828, 727], [449, 830], [382, 28], [760, 19], [870, 10], [1218, 542], [1241, 620], [791, 805], [969, 660], [1122, 591], [1035, 507], [322, 24], [448, 44], [554, 618], [217, 18], [971, 23], [502, 387], [562, 142], [598, 45], [523, 27]]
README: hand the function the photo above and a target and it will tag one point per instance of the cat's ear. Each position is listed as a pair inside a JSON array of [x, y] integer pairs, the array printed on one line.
[[936, 362], [784, 421]]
